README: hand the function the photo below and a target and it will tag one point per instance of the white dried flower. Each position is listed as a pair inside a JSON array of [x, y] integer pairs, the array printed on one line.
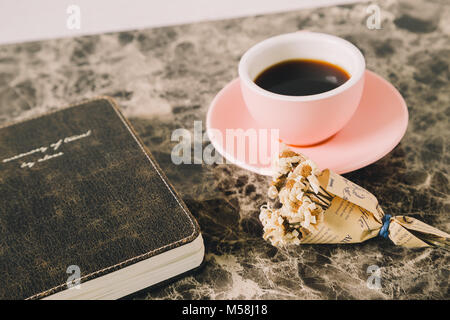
[[295, 184], [272, 192], [307, 220]]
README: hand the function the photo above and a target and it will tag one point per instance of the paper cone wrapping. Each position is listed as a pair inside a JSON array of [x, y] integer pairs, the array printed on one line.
[[324, 207]]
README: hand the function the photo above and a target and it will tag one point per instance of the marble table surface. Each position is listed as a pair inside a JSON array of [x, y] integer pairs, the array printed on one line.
[[165, 79]]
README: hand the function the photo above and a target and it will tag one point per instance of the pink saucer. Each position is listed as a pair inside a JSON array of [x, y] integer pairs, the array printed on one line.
[[375, 129]]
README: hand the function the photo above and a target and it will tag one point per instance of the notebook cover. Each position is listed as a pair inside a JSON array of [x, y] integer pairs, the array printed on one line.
[[78, 188]]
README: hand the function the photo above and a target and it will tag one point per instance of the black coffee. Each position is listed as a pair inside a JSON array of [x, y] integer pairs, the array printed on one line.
[[301, 77]]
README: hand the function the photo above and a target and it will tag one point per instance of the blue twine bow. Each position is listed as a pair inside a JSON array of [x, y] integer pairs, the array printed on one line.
[[384, 231]]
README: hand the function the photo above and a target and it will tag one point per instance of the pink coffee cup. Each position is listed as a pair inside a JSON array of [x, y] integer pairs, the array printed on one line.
[[303, 120]]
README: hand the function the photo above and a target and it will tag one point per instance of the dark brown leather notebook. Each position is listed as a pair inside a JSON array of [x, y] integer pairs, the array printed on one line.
[[85, 211]]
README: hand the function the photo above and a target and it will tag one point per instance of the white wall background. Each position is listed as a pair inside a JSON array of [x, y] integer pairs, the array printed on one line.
[[27, 20]]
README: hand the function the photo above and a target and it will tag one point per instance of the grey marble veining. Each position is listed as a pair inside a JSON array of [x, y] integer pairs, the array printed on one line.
[[165, 78]]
